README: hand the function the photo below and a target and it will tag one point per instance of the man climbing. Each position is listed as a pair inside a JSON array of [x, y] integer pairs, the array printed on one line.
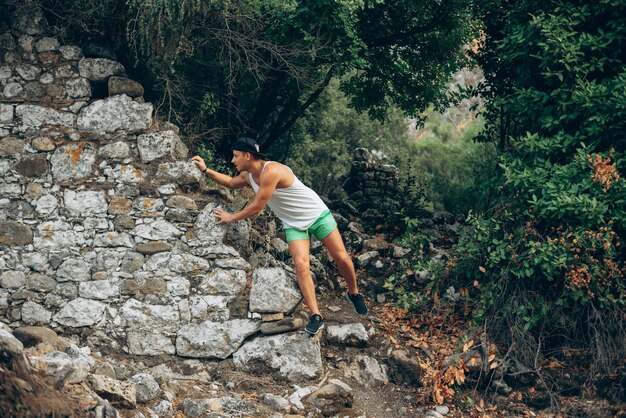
[[301, 211]]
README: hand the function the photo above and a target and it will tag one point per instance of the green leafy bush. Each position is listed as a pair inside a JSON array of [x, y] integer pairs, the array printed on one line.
[[546, 262]]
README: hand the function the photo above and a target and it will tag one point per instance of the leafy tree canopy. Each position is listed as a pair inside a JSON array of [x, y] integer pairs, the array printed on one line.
[[224, 68]]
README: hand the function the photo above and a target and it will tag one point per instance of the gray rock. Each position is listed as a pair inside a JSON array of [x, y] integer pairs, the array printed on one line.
[[40, 283], [178, 262], [146, 387], [73, 161], [35, 314], [28, 72], [147, 343], [35, 261], [12, 90], [10, 146], [30, 21], [282, 326], [277, 403], [159, 230], [47, 44], [127, 174], [154, 247], [33, 116], [213, 339], [98, 289], [57, 234], [74, 269], [85, 203], [162, 144], [238, 407], [6, 113], [405, 368], [199, 408], [181, 172], [209, 307], [46, 204], [273, 290], [78, 88], [294, 356], [331, 398], [96, 69], [348, 334], [71, 52], [141, 316], [115, 151], [9, 344], [238, 234], [123, 85], [80, 312], [7, 42], [114, 390], [68, 369], [205, 229], [12, 279], [222, 282], [113, 239], [181, 202], [164, 408], [367, 371], [443, 410], [113, 113]]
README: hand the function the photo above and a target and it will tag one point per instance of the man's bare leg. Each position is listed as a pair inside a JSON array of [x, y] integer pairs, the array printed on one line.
[[299, 250], [337, 250]]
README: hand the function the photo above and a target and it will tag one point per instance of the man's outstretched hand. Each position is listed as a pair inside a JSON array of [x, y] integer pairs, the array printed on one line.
[[199, 162], [223, 217]]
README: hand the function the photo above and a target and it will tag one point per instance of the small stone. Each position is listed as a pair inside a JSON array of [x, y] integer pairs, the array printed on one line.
[[182, 202], [272, 317], [10, 146], [15, 233], [71, 52], [120, 206], [12, 90], [153, 247], [43, 144], [34, 166], [123, 85], [443, 409], [280, 327], [47, 44]]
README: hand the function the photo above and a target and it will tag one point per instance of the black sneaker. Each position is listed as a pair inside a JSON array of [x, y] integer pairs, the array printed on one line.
[[358, 302], [315, 324]]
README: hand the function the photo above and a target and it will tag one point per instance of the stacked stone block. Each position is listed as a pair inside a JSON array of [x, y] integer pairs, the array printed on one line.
[[103, 225], [372, 187]]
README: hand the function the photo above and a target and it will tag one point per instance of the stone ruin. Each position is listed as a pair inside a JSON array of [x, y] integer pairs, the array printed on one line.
[[372, 188], [107, 228]]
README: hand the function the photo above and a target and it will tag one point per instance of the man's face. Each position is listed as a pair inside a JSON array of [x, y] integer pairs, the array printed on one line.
[[240, 160]]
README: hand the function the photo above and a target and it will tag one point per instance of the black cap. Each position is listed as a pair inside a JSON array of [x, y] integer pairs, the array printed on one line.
[[246, 144]]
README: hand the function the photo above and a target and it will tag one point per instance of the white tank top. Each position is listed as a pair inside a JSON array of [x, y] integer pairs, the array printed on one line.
[[297, 206]]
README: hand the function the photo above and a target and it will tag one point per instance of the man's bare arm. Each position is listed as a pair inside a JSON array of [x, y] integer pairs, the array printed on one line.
[[236, 182], [269, 181]]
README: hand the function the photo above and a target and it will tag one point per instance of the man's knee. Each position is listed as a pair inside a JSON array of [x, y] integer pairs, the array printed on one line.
[[301, 263], [344, 259]]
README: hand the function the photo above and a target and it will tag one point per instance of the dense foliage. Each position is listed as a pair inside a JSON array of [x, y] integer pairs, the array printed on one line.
[[548, 259], [223, 68]]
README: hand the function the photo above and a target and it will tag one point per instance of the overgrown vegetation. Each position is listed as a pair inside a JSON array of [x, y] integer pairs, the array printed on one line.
[[225, 68], [546, 263]]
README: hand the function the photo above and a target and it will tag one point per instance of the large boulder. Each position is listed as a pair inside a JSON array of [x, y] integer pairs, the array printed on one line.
[[273, 290], [214, 339]]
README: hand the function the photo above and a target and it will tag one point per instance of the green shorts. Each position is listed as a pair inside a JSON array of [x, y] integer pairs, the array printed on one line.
[[321, 228]]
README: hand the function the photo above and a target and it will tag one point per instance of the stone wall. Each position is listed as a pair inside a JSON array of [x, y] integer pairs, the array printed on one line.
[[105, 229], [372, 187]]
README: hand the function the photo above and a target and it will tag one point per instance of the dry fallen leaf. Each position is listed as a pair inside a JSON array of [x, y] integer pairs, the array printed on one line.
[[482, 269]]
